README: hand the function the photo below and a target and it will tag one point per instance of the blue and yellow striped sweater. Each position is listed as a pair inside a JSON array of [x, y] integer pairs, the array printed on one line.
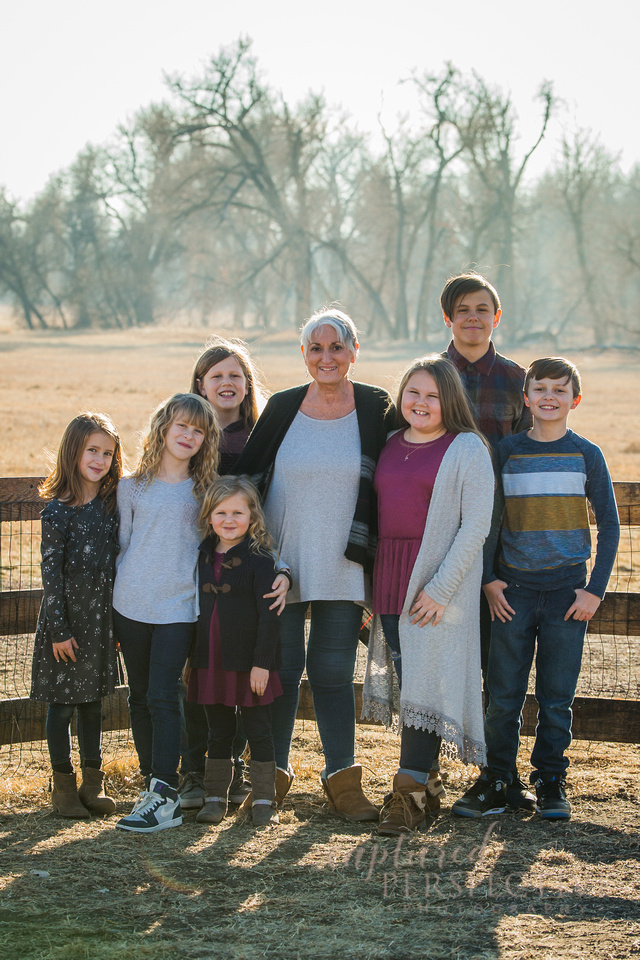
[[541, 500]]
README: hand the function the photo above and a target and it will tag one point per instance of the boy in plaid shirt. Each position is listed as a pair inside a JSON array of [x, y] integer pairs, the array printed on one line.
[[493, 384]]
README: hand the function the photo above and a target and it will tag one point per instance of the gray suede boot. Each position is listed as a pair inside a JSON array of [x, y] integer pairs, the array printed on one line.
[[217, 778], [263, 793]]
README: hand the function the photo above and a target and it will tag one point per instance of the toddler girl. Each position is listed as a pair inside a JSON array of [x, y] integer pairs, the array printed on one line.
[[74, 658], [434, 482], [154, 597], [237, 645]]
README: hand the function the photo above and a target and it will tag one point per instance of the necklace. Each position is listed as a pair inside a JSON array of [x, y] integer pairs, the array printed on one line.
[[418, 446]]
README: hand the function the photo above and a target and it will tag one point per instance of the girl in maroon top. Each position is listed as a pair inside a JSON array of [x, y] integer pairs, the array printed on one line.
[[431, 411], [403, 482]]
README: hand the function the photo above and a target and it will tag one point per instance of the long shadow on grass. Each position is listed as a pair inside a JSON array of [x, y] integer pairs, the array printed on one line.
[[313, 887]]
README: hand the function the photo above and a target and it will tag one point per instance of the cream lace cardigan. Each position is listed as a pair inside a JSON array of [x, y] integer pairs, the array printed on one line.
[[441, 679]]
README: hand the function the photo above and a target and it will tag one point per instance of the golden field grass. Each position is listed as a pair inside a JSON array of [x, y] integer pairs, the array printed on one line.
[[47, 378], [507, 888]]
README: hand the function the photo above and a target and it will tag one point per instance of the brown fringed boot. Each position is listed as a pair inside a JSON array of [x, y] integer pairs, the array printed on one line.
[[404, 809]]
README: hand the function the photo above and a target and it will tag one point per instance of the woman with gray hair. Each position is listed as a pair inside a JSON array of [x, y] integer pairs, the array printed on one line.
[[312, 455]]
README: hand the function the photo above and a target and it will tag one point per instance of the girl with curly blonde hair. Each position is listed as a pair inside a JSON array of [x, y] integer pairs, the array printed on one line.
[[155, 599], [237, 646]]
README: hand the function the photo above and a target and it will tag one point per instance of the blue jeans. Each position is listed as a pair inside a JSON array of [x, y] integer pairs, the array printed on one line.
[[330, 662], [154, 655], [539, 618], [89, 729]]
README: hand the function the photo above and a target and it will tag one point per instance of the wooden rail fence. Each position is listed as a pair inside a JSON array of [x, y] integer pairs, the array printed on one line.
[[595, 718]]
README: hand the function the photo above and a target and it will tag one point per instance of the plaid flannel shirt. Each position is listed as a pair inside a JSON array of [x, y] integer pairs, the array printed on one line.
[[493, 385]]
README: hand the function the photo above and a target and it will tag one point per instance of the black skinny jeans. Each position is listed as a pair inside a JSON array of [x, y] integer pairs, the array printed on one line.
[[222, 730], [89, 729]]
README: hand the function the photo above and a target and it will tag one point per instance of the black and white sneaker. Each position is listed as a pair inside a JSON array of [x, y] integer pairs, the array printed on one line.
[[487, 796], [519, 797], [552, 802], [157, 809]]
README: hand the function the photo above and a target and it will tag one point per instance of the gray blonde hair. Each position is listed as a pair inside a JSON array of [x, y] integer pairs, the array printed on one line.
[[343, 325]]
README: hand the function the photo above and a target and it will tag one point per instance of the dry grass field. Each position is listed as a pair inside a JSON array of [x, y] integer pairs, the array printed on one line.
[[48, 377], [514, 887]]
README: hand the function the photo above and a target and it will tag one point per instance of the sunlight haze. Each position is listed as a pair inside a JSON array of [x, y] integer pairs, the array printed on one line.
[[71, 72]]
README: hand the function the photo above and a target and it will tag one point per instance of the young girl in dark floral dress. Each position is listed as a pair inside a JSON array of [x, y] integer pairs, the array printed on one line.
[[74, 658]]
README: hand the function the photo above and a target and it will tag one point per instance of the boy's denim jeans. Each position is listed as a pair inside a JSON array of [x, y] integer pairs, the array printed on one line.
[[330, 662], [539, 617]]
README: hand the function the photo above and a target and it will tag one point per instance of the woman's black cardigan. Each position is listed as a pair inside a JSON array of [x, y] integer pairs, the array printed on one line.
[[376, 418], [249, 631]]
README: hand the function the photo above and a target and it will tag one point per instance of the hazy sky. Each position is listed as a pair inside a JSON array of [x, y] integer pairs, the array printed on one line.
[[70, 71]]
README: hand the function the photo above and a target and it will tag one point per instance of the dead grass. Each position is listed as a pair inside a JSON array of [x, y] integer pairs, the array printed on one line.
[[48, 377], [315, 887]]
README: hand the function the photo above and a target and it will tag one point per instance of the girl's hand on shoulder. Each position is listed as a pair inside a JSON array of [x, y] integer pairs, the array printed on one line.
[[280, 586], [425, 610], [259, 678], [65, 651]]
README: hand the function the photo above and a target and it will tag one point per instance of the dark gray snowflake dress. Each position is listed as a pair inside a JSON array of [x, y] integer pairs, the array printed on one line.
[[79, 547]]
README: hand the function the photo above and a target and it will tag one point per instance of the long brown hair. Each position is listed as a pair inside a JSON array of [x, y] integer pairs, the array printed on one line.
[[454, 406], [218, 349], [64, 482], [196, 411], [221, 489]]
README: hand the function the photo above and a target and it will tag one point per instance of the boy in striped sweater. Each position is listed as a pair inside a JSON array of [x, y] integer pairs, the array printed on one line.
[[541, 600]]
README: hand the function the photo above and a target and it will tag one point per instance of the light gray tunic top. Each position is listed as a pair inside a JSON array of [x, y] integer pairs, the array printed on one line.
[[156, 566], [310, 507]]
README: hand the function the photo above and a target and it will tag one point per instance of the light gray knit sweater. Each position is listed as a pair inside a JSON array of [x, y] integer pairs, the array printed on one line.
[[157, 563], [441, 680]]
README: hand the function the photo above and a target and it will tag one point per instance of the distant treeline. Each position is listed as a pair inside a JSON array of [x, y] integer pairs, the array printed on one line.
[[227, 201]]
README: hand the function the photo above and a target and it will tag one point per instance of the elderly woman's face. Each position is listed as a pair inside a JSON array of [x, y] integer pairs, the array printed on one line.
[[327, 359]]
